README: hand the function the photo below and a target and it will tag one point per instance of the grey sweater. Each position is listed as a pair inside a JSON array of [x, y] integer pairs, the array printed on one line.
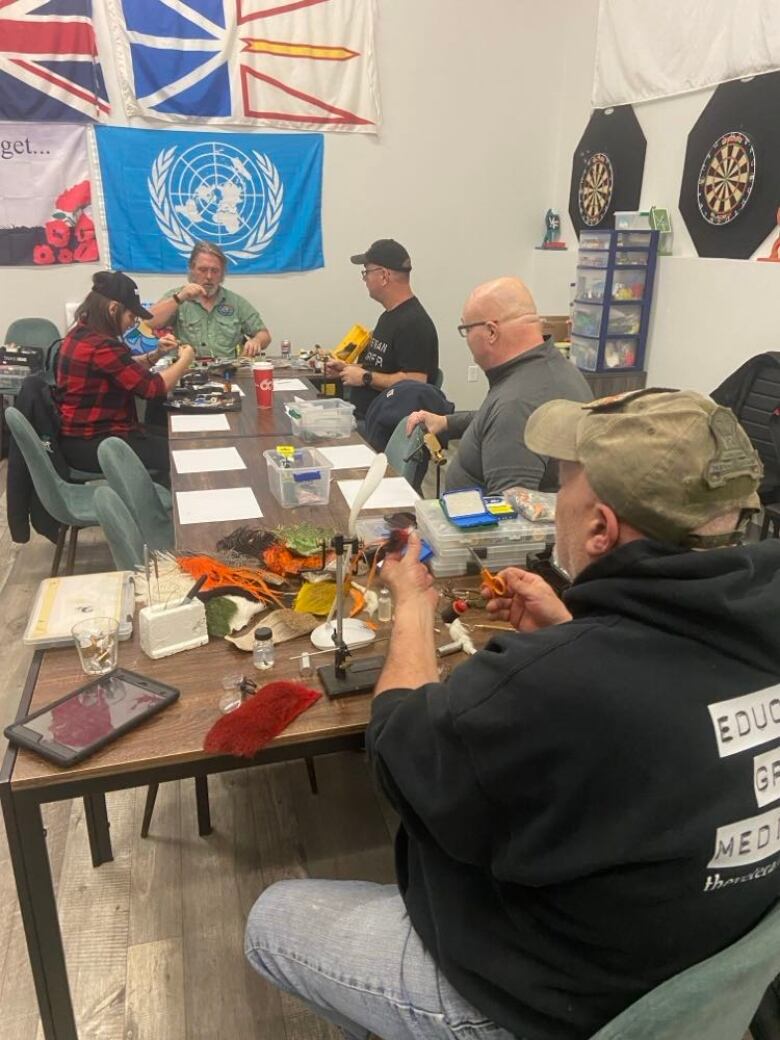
[[492, 454]]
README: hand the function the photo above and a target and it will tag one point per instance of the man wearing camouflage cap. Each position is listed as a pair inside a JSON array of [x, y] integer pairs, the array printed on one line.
[[590, 804]]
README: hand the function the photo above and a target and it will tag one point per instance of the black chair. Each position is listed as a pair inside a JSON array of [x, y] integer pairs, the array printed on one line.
[[753, 394], [772, 511]]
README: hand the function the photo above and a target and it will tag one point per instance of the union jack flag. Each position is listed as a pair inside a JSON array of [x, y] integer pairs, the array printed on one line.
[[298, 64], [49, 69]]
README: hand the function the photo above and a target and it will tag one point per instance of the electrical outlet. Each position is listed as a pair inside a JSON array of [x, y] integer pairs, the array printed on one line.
[[472, 373]]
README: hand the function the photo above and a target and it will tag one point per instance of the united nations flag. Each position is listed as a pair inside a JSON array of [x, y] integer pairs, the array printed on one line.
[[257, 196]]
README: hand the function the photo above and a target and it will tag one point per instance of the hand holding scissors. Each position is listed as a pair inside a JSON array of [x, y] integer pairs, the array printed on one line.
[[494, 582]]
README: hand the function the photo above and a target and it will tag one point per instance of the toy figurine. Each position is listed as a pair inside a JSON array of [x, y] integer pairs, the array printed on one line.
[[552, 223], [774, 253]]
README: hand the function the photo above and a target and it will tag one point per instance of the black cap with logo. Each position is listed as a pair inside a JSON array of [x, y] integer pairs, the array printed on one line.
[[385, 252], [117, 286]]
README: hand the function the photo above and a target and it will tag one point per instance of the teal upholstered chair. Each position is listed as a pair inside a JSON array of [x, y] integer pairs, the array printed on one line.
[[407, 454], [32, 332], [148, 503], [122, 534], [713, 1000], [71, 505]]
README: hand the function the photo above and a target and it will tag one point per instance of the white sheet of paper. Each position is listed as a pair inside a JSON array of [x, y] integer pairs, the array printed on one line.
[[349, 456], [203, 507], [207, 460], [237, 389], [393, 492], [199, 423], [289, 384]]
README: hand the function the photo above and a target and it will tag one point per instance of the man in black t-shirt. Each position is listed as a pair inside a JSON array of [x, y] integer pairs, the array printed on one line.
[[404, 344]]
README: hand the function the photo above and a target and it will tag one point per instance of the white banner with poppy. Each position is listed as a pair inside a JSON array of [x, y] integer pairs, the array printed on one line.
[[45, 195]]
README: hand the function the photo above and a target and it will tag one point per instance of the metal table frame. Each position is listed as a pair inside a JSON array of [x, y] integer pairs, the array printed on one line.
[[30, 859]]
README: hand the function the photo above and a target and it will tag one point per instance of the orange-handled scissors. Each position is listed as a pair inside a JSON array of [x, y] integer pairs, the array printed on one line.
[[494, 582]]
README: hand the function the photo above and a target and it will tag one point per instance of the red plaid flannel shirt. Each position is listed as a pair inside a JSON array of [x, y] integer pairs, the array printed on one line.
[[97, 381]]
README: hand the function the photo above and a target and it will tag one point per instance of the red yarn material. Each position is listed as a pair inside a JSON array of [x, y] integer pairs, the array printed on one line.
[[262, 717]]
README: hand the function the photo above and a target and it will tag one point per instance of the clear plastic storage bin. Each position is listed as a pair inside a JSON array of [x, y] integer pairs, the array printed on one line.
[[594, 240], [303, 479], [584, 353], [321, 420], [505, 545], [599, 260], [590, 285], [628, 285]]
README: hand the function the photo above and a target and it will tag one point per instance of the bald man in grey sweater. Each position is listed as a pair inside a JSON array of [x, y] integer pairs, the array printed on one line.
[[504, 333]]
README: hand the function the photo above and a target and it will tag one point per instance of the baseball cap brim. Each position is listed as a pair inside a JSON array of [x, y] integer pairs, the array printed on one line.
[[358, 258], [552, 430]]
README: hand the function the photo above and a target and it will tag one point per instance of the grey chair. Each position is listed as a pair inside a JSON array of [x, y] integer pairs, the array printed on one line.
[[120, 529], [407, 454], [713, 1000], [148, 503], [71, 505]]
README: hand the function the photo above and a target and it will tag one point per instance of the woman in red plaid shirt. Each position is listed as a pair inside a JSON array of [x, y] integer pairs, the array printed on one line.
[[98, 378]]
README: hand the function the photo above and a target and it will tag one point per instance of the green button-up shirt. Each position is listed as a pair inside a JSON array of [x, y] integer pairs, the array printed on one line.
[[216, 333]]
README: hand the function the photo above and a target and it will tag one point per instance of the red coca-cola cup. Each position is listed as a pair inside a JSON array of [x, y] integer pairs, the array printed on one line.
[[263, 371]]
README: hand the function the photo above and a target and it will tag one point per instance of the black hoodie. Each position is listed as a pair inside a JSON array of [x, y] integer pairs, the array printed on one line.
[[580, 816]]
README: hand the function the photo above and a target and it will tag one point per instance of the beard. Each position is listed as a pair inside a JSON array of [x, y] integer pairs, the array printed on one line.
[[211, 290]]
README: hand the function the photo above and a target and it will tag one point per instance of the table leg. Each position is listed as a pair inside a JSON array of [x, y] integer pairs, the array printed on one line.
[[202, 801], [98, 829], [32, 872]]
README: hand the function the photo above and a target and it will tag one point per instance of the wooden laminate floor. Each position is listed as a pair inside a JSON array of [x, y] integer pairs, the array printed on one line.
[[154, 940]]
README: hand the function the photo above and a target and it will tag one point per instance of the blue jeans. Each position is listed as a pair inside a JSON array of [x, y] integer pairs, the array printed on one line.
[[348, 950]]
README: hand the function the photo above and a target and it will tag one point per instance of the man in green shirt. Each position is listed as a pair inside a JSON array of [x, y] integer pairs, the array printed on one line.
[[205, 314]]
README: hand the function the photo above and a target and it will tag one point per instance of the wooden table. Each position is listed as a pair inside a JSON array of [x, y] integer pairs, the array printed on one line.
[[166, 747], [252, 421]]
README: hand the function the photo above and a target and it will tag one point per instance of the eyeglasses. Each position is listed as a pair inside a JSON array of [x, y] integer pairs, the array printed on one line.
[[528, 319], [465, 328], [369, 270]]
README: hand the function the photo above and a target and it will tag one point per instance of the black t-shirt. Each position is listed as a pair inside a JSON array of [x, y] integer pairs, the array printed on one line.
[[404, 340]]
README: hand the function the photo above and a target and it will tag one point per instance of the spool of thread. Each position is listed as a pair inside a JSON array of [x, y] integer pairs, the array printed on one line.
[[454, 610]]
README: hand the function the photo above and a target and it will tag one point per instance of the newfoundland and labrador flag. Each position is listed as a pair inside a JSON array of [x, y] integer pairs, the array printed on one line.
[[258, 196], [49, 70], [295, 64]]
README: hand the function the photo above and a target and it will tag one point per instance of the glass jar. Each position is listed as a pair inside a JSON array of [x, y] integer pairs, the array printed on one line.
[[384, 611], [263, 650]]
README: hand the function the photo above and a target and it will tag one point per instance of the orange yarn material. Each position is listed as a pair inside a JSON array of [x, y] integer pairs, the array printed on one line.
[[280, 560]]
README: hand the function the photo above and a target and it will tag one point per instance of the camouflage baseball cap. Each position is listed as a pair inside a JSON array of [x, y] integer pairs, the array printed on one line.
[[667, 461]]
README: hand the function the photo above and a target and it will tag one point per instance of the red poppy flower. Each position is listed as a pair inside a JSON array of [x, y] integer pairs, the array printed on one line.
[[85, 228], [86, 252], [65, 256], [76, 197], [43, 255], [57, 232]]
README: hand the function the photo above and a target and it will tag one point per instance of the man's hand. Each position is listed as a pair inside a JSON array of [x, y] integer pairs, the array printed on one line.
[[186, 354], [166, 344], [530, 603], [408, 579], [251, 349], [352, 375], [334, 367], [433, 423], [191, 291]]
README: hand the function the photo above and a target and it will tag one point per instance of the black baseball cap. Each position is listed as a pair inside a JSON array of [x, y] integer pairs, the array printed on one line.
[[115, 285], [385, 252]]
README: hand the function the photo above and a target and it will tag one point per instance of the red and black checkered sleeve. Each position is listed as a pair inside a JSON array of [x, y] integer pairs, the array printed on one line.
[[118, 363]]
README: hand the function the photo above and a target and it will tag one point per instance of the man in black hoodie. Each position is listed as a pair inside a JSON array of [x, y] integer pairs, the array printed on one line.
[[588, 805]]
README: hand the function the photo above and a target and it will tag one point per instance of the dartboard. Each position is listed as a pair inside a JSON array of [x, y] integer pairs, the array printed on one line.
[[596, 186], [726, 178]]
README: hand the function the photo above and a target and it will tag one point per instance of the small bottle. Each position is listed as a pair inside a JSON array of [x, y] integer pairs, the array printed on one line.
[[286, 349], [263, 651], [384, 611], [305, 669]]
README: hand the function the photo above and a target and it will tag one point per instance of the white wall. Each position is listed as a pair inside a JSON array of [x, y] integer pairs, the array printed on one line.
[[708, 315], [460, 174]]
